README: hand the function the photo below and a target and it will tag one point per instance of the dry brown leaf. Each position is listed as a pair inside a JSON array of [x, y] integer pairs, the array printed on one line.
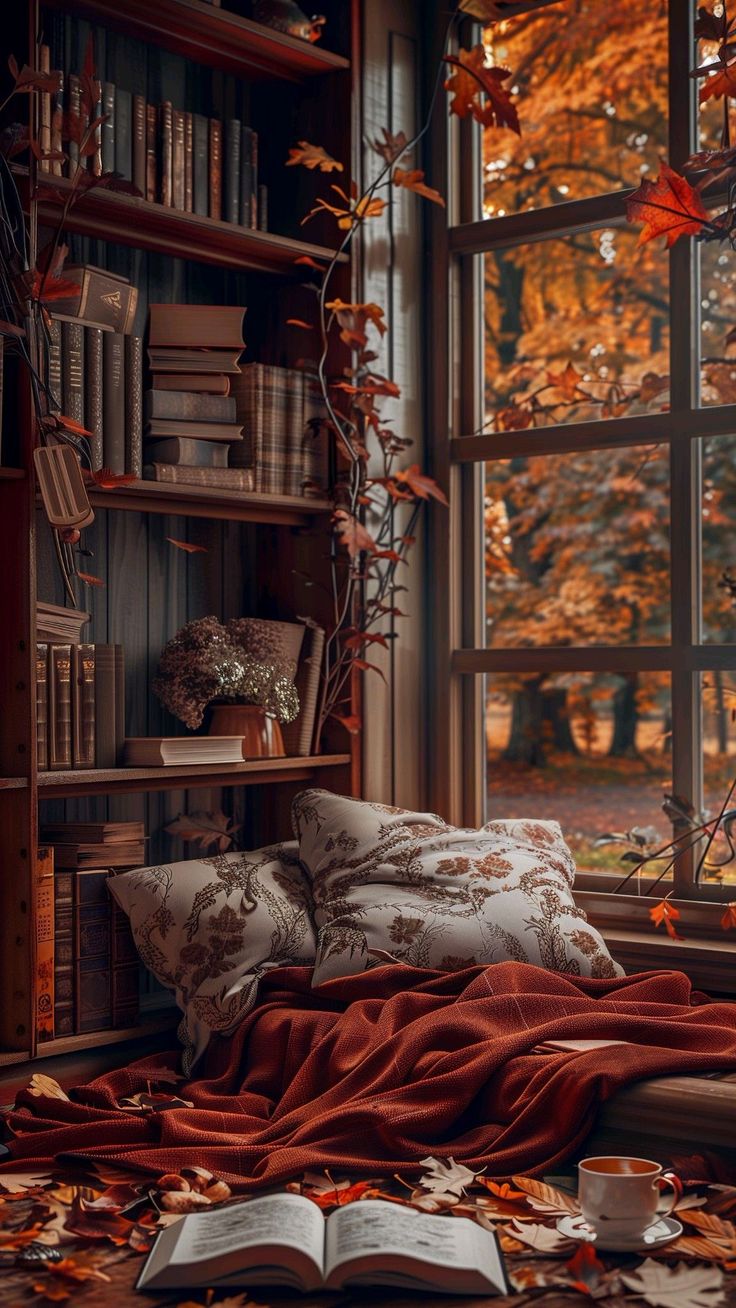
[[446, 1177], [546, 1198], [205, 828], [676, 1287], [46, 1086], [187, 546], [19, 1182], [313, 156], [543, 1238]]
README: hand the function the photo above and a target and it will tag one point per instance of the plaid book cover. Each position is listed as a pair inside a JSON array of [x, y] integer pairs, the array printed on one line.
[[270, 404]]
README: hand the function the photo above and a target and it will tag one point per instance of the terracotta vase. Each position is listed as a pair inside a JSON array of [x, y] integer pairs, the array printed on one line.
[[261, 735]]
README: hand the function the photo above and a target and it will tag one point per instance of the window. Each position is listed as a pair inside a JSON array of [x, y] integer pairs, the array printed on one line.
[[595, 647]]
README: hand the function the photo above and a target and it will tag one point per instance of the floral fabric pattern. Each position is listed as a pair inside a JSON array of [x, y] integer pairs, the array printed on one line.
[[389, 884], [210, 927]]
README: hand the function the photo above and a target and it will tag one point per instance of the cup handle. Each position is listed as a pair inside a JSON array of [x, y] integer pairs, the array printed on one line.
[[667, 1203]]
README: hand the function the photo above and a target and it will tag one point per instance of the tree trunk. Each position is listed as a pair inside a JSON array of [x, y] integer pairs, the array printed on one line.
[[625, 719], [525, 743], [556, 720]]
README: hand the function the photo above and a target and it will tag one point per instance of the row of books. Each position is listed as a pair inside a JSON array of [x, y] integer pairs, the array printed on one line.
[[97, 377], [87, 974], [183, 160], [80, 705]]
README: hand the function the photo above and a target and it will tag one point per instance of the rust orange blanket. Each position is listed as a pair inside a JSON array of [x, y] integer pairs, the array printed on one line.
[[372, 1073]]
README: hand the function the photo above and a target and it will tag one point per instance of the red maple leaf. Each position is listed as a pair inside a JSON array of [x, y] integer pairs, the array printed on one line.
[[423, 487], [478, 90], [729, 917], [669, 207], [666, 912]]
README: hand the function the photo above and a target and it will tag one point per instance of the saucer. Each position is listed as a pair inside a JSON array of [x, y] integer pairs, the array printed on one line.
[[666, 1229]]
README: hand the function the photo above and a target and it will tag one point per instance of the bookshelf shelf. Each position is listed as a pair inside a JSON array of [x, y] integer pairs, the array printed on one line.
[[211, 36], [95, 1039], [130, 220], [13, 783], [204, 502], [109, 781]]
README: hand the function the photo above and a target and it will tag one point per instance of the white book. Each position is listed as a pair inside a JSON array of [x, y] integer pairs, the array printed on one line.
[[165, 751], [284, 1239]]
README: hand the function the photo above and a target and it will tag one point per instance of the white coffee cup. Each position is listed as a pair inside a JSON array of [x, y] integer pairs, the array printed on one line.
[[621, 1197]]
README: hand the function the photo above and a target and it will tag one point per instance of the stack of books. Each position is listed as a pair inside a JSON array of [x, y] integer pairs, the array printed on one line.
[[299, 735], [80, 695], [88, 975], [191, 420], [286, 430], [183, 160], [95, 366]]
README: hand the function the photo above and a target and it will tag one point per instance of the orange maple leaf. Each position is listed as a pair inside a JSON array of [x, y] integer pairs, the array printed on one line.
[[313, 156], [412, 179], [567, 383], [422, 486], [471, 80], [514, 417], [718, 84], [669, 207], [666, 912], [729, 916], [355, 213], [355, 316], [309, 262], [90, 580], [187, 546], [352, 533]]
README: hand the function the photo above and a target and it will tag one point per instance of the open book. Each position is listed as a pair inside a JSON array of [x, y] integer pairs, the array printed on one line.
[[284, 1239]]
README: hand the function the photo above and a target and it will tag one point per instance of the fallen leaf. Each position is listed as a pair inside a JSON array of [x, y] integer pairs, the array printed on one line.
[[187, 546], [666, 912], [40, 1084], [446, 1177], [729, 916], [313, 156], [477, 90], [668, 207], [106, 479], [19, 1182], [90, 580], [205, 829], [144, 1102], [585, 1268], [719, 84], [308, 262], [412, 179], [353, 535], [544, 1238], [567, 383], [676, 1287]]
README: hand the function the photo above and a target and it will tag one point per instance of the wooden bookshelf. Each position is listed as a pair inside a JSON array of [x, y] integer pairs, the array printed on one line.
[[12, 474], [122, 780], [211, 36], [13, 783], [151, 1026], [202, 502]]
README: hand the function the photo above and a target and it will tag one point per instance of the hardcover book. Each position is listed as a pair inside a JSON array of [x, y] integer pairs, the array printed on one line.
[[232, 171], [60, 707], [63, 955], [178, 162], [92, 960], [94, 419], [103, 833], [83, 705], [43, 995], [72, 370], [284, 1239], [108, 128], [299, 734], [151, 190], [103, 299], [124, 134], [188, 163], [165, 429], [54, 349], [42, 723], [196, 326], [200, 167], [188, 453], [162, 751], [134, 405], [139, 143], [105, 737], [215, 169], [227, 479], [202, 383], [188, 406], [75, 112], [193, 361], [112, 854], [113, 400], [167, 147]]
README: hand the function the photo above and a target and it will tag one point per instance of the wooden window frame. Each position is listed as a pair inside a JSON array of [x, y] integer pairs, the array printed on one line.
[[458, 660]]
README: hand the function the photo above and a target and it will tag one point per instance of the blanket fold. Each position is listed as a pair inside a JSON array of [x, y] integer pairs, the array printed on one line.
[[371, 1073]]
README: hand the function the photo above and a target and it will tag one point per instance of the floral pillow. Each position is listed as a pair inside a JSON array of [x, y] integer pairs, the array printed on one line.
[[209, 928], [394, 885]]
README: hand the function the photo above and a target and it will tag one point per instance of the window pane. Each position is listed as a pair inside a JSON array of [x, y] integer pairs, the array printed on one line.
[[711, 111], [577, 549], [576, 328], [719, 749], [719, 540], [590, 83], [590, 751], [717, 319]]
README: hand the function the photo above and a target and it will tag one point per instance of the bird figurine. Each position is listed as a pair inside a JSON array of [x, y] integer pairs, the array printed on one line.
[[285, 16]]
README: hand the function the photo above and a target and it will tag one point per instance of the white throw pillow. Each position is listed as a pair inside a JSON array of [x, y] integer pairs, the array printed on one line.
[[392, 884], [210, 927]]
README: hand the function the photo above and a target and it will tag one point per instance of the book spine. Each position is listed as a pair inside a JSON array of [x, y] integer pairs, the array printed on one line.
[[63, 955], [247, 193], [83, 705], [167, 148], [178, 161], [232, 171], [105, 746], [60, 707], [125, 971], [139, 143], [113, 400], [123, 134], [262, 207], [57, 127], [151, 191], [230, 479], [187, 452], [307, 743], [44, 109], [189, 406], [72, 370], [74, 102], [134, 405], [215, 169], [188, 163], [200, 198], [54, 366], [93, 393], [108, 128], [43, 989], [42, 706], [119, 702], [96, 157], [294, 463], [254, 178], [92, 950]]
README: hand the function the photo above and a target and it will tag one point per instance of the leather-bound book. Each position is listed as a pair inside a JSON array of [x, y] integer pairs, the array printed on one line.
[[72, 370], [262, 207], [231, 212], [293, 478], [200, 179], [43, 916], [124, 134], [178, 160], [151, 190], [105, 738], [108, 127], [139, 143], [196, 326], [63, 954], [184, 405], [92, 962], [167, 157], [102, 297], [113, 400], [248, 177], [60, 707], [167, 428], [188, 163], [42, 706], [134, 405], [299, 734], [102, 833], [188, 453], [129, 853], [227, 479], [57, 126], [125, 971], [83, 705], [202, 383], [119, 703], [95, 162], [174, 359], [94, 421], [75, 105], [44, 110], [215, 169], [54, 370]]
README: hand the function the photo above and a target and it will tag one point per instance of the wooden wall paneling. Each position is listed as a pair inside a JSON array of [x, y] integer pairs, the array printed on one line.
[[167, 591]]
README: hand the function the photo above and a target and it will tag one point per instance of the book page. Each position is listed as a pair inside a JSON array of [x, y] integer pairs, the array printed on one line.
[[277, 1219], [374, 1229]]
